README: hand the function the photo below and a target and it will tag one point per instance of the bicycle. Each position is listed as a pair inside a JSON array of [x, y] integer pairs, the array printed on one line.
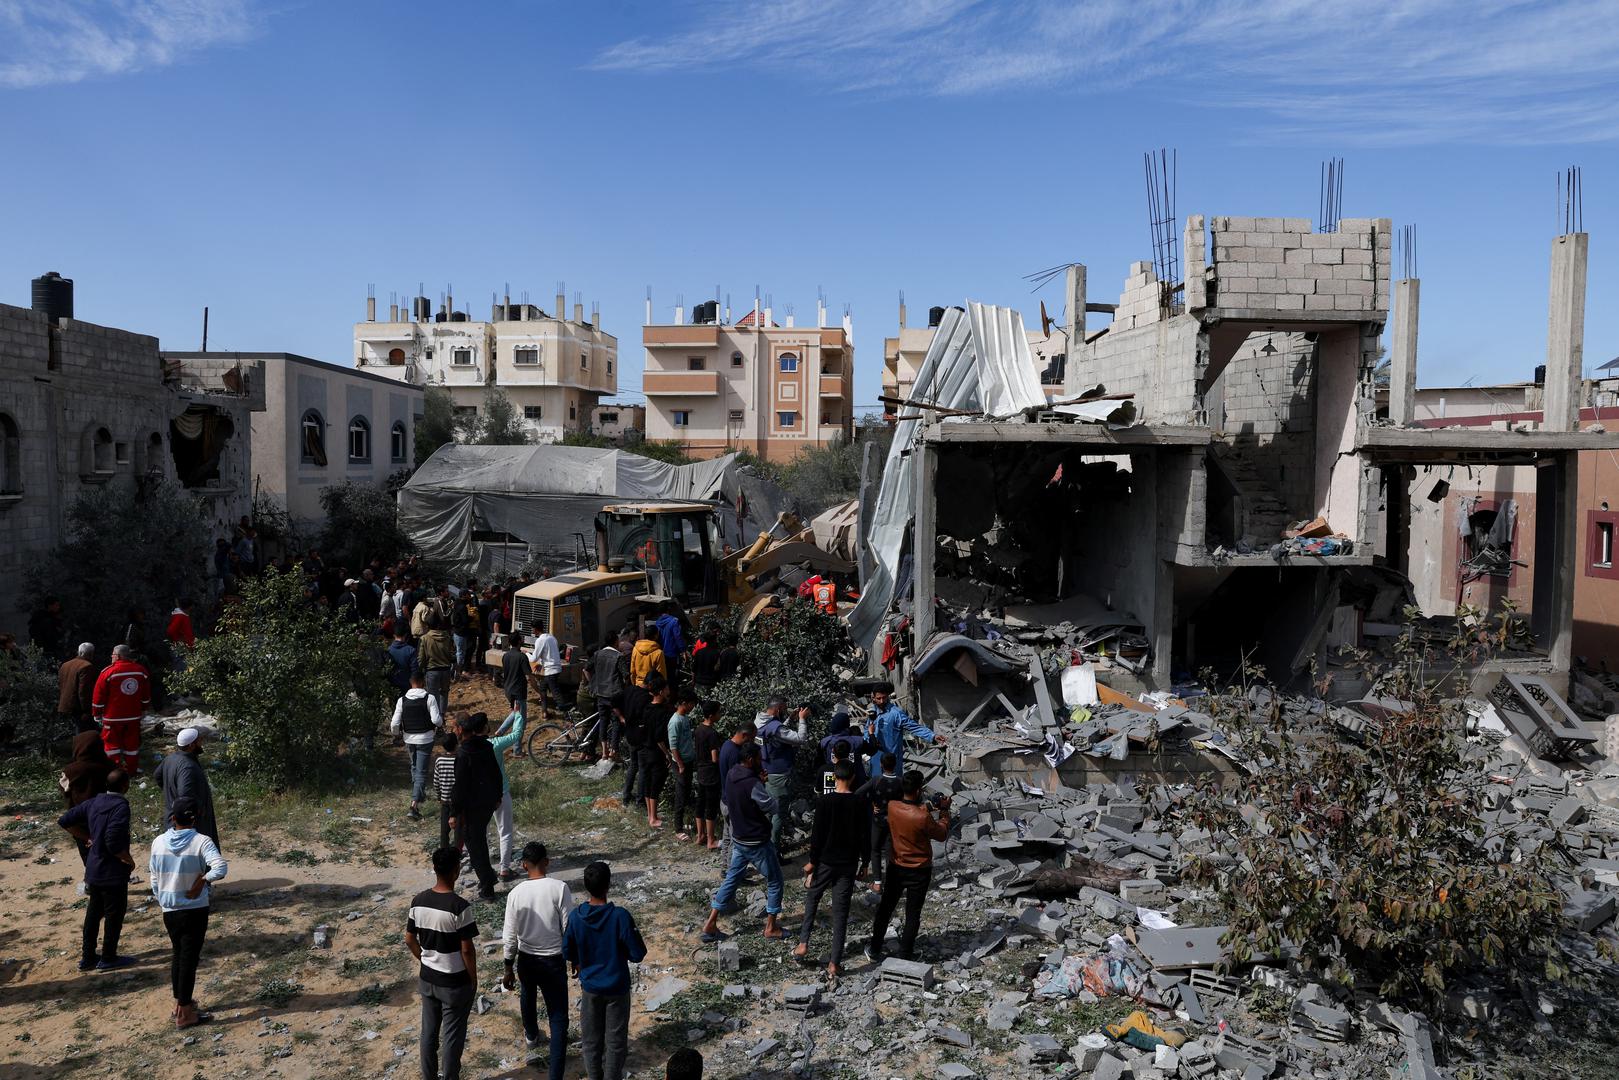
[[557, 744]]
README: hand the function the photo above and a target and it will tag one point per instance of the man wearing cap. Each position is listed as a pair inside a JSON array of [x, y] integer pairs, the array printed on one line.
[[181, 776]]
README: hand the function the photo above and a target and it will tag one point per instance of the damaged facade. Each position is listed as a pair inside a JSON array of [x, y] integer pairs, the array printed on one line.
[[83, 406], [1212, 485]]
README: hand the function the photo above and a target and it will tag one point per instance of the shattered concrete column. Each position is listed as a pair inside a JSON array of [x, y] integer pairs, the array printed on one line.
[[1075, 285], [923, 541], [1192, 249], [1565, 332], [1403, 353]]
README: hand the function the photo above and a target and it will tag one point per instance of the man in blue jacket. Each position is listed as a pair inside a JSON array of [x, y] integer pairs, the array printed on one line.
[[102, 823], [671, 638], [600, 944], [749, 805], [890, 728]]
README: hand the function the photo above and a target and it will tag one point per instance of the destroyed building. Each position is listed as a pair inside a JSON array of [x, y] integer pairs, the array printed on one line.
[[82, 406], [1214, 484]]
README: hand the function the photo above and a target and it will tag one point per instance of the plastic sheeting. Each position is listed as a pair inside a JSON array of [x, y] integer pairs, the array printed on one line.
[[548, 497]]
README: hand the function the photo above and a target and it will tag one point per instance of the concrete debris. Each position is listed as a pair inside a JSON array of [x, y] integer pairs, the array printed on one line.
[[664, 989], [907, 973]]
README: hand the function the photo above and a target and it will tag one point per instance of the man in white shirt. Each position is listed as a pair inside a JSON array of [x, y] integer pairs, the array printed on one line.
[[545, 659], [537, 911]]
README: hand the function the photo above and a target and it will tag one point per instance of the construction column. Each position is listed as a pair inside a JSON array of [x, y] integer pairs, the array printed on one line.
[[1403, 354], [1565, 333]]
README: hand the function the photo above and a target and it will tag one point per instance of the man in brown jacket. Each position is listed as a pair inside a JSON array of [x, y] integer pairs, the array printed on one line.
[[912, 828], [77, 680]]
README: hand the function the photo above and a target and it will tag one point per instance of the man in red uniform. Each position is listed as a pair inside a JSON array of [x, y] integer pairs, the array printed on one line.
[[121, 695]]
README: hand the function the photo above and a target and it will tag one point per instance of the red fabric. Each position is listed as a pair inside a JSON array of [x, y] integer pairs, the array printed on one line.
[[122, 692], [890, 651], [180, 631], [121, 737]]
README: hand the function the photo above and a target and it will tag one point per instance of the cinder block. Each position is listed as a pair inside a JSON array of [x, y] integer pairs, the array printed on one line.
[[1318, 303], [1266, 270], [1331, 287], [1349, 303], [1360, 288], [1329, 256], [1268, 225], [1242, 284], [1358, 256], [1355, 225], [1296, 225]]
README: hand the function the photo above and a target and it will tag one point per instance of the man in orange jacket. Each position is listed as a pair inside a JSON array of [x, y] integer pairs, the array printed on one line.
[[912, 829], [121, 696]]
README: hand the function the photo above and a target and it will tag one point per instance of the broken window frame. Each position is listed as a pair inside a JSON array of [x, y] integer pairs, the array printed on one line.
[[10, 456], [1596, 522], [312, 438], [1481, 552]]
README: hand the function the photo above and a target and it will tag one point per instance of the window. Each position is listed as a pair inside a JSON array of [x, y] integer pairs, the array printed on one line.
[[428, 352], [359, 439], [786, 419], [1487, 539], [584, 362], [120, 453], [526, 356], [10, 456], [396, 442], [788, 361], [461, 357], [682, 417], [695, 363], [608, 418], [1599, 537], [573, 411], [531, 412], [101, 459], [609, 367], [736, 416], [736, 359], [314, 439], [466, 412], [396, 357]]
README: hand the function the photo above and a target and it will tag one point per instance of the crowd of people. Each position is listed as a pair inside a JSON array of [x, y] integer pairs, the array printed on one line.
[[652, 689]]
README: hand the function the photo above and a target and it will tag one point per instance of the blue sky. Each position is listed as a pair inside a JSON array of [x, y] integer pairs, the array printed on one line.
[[271, 159]]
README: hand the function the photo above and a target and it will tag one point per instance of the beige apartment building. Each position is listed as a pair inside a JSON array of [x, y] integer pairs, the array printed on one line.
[[903, 354], [717, 386], [555, 369]]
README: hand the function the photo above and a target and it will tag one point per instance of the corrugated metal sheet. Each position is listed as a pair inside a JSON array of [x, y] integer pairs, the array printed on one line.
[[1006, 380]]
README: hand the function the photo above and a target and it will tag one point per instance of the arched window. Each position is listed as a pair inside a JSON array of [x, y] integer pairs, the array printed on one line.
[[396, 356], [95, 454], [10, 456], [398, 442], [314, 439], [789, 361], [359, 439]]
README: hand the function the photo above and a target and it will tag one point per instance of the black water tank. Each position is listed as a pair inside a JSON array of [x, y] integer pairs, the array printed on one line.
[[458, 316], [706, 312], [935, 315], [53, 296], [423, 308], [1540, 369]]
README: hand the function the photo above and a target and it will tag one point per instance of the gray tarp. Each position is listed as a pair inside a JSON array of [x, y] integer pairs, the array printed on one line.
[[548, 496]]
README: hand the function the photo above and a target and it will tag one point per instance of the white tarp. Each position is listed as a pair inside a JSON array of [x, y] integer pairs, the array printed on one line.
[[548, 496]]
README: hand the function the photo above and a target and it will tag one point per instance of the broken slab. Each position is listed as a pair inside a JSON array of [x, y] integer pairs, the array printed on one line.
[[1182, 947]]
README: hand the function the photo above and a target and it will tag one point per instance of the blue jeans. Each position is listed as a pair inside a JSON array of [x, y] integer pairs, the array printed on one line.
[[548, 975], [438, 684], [463, 649], [421, 762], [763, 858]]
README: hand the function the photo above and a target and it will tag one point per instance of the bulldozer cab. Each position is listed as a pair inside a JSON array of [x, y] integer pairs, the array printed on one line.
[[677, 546]]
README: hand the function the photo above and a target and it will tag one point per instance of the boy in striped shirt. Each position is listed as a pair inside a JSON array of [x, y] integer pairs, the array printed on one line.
[[440, 933]]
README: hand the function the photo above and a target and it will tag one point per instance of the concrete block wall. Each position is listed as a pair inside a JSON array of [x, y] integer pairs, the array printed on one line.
[[1158, 362], [1279, 264], [1263, 404], [1182, 486], [1140, 304]]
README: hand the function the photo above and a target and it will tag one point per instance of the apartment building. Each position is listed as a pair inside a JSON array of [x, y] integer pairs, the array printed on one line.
[[618, 419], [716, 385], [903, 353], [554, 369]]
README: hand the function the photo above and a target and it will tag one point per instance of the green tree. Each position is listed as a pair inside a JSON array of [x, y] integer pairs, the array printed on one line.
[[1374, 856], [362, 522], [126, 548], [289, 684], [437, 425], [28, 691], [499, 423], [796, 652]]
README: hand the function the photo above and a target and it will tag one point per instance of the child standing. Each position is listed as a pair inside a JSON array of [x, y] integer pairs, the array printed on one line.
[[600, 943], [444, 783]]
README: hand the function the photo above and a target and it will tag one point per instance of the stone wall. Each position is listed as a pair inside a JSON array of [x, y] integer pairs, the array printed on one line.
[[1279, 264]]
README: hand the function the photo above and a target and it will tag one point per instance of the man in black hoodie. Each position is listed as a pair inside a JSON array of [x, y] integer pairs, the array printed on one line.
[[839, 846], [475, 796], [750, 806]]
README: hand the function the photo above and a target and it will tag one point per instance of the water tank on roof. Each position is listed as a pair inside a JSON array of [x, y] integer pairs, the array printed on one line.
[[935, 316], [422, 308], [53, 296], [1540, 370], [706, 312], [458, 316]]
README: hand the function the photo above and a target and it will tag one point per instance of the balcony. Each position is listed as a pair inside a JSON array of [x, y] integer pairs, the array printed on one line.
[[833, 338], [831, 385], [681, 383], [703, 336]]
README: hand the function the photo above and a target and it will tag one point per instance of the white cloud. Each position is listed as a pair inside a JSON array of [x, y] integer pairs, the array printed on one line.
[[44, 42], [1372, 71]]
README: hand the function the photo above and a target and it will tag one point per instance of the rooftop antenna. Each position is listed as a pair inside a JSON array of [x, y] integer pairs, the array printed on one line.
[[1571, 200], [1331, 201], [1408, 252], [1163, 181]]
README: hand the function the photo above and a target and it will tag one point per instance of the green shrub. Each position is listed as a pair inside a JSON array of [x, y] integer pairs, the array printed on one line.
[[362, 521], [288, 683], [28, 693]]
